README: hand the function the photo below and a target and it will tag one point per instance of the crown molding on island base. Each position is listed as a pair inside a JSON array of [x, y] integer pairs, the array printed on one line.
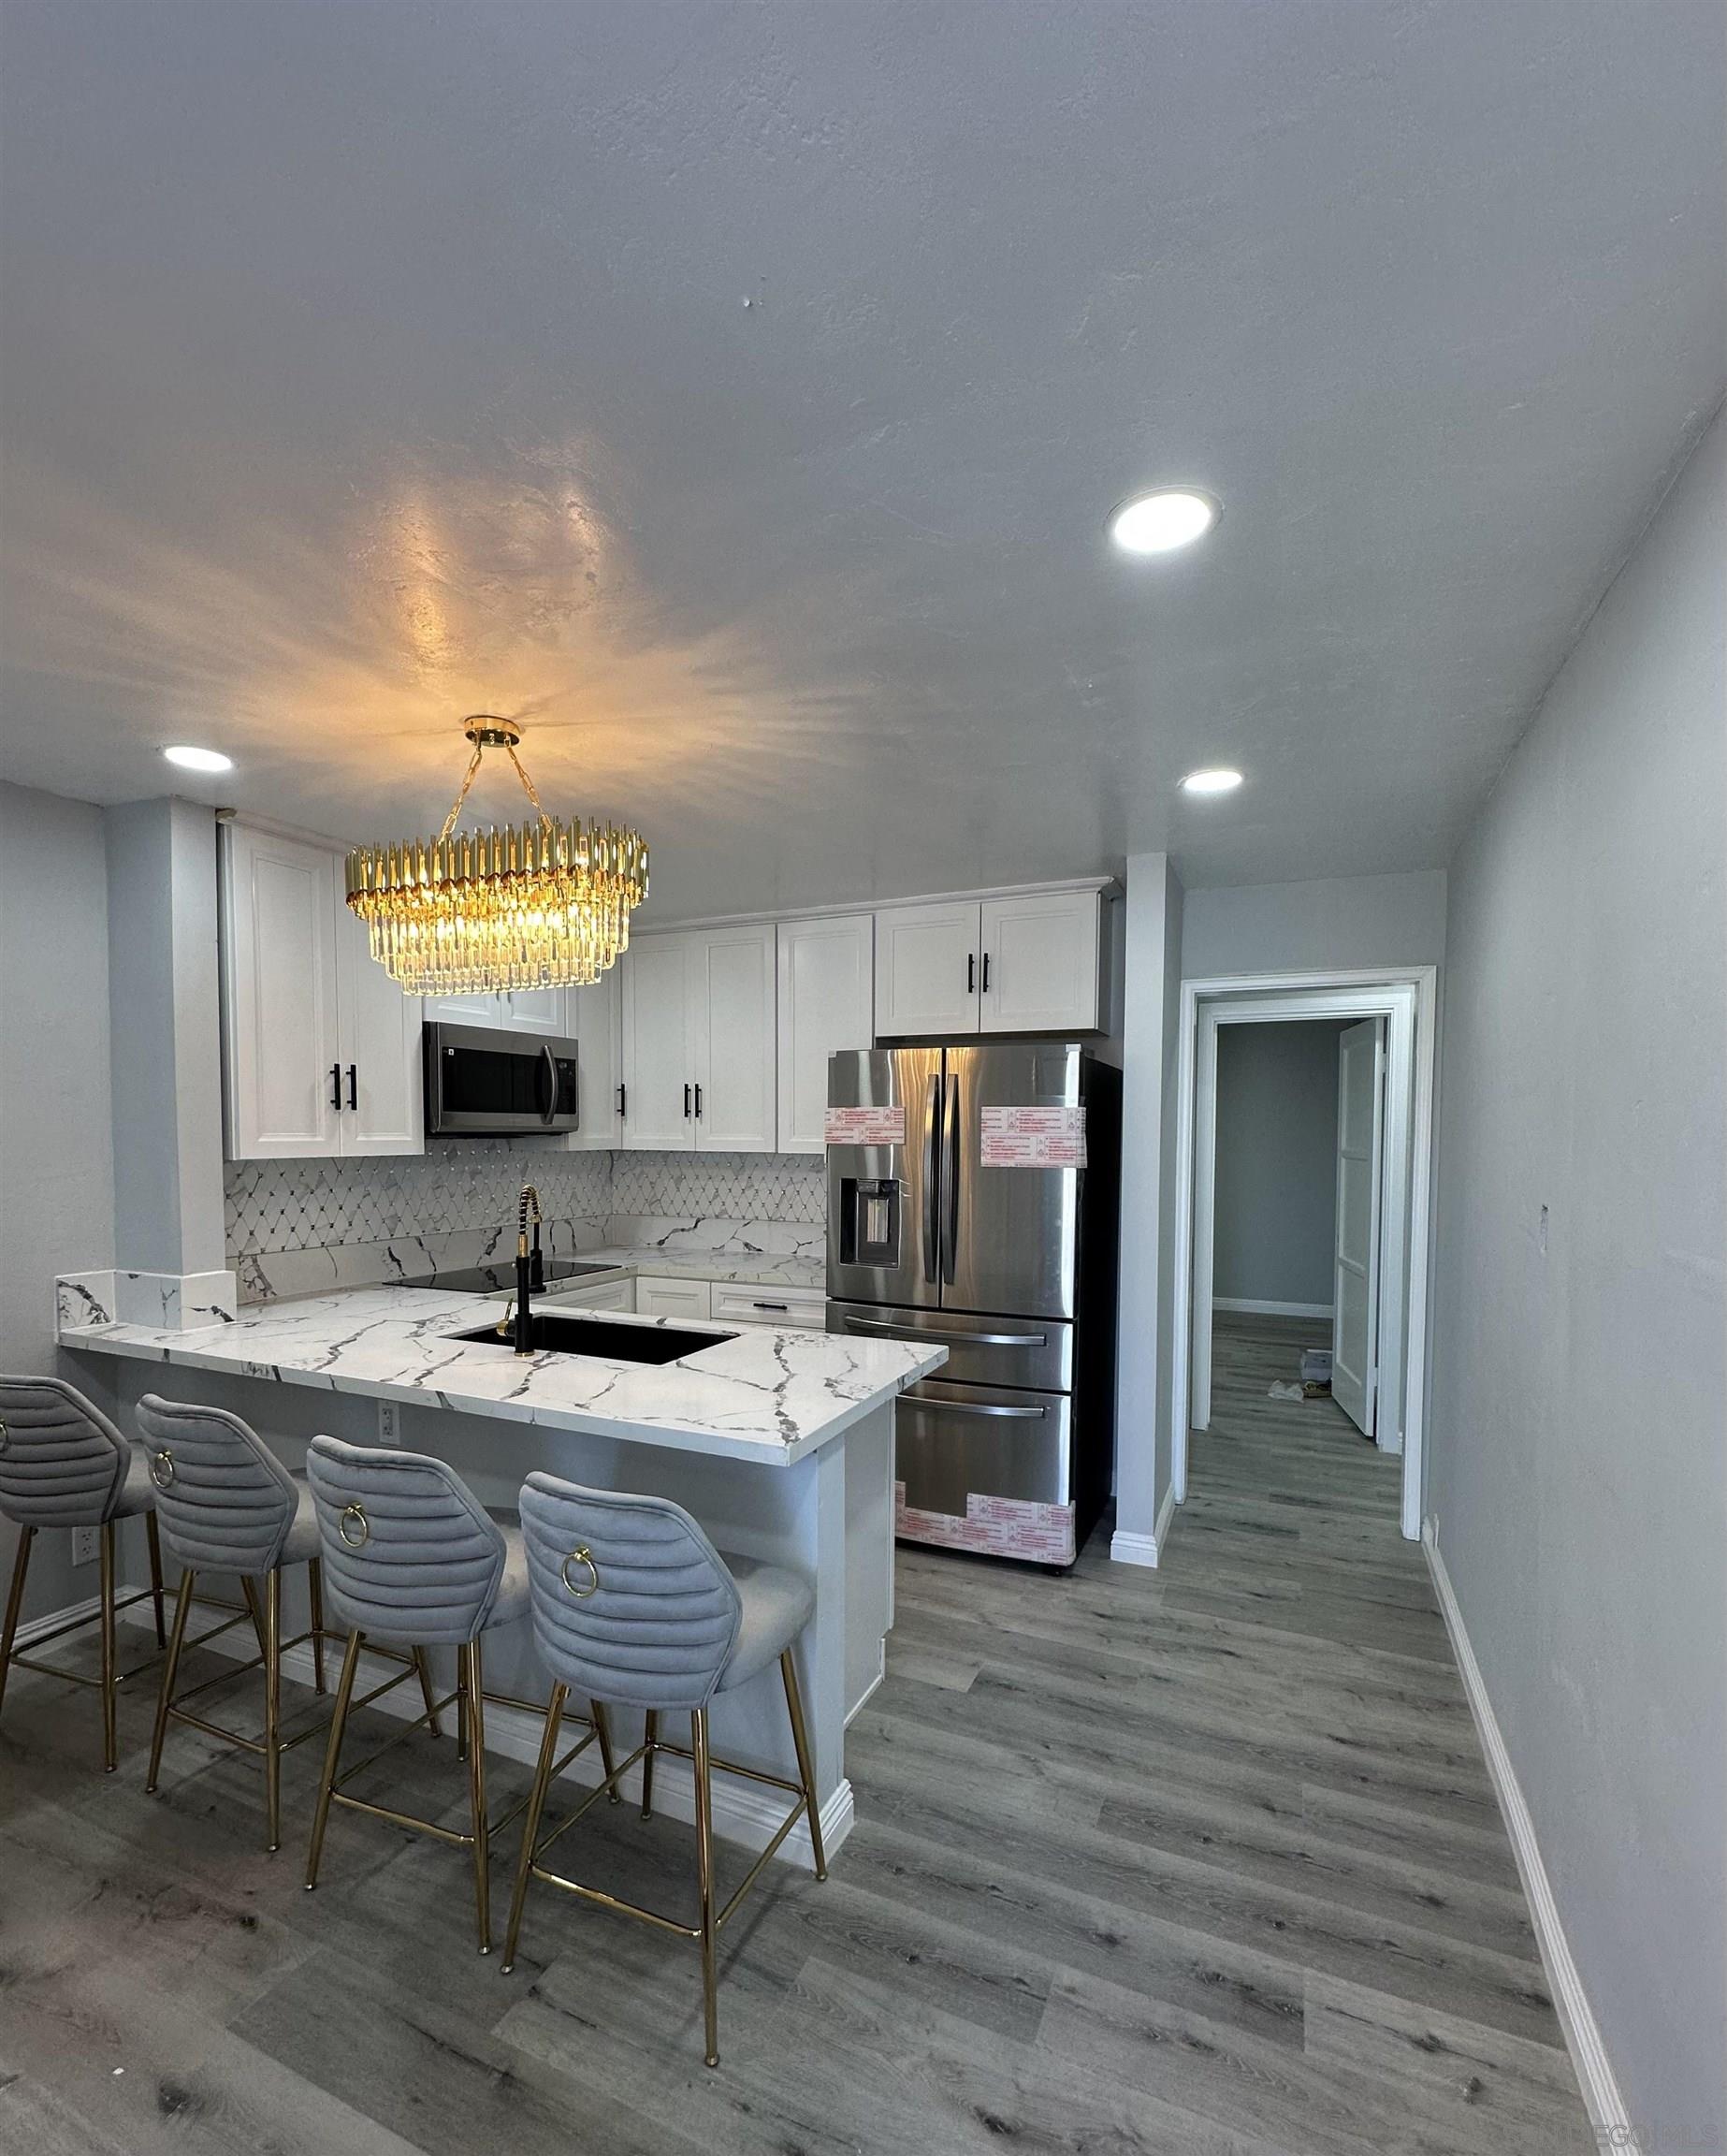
[[1129, 1549], [1602, 2099]]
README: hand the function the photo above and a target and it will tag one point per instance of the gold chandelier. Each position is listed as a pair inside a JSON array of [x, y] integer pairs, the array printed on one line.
[[544, 905]]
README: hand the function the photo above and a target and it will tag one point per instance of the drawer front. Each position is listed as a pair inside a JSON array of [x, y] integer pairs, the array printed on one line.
[[609, 1295], [788, 1306], [954, 1442], [1032, 1353], [661, 1297]]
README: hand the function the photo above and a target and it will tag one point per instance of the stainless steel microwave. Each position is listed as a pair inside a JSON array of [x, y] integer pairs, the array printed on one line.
[[484, 1081]]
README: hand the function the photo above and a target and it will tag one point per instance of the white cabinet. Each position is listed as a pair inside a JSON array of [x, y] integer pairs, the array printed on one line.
[[668, 1297], [1039, 971], [698, 1042], [742, 1304], [926, 969], [826, 1003], [1026, 963], [608, 1295], [320, 1047], [475, 1009], [517, 1010], [594, 1015]]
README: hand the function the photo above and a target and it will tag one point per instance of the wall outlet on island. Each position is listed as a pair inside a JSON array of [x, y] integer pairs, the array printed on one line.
[[85, 1544], [389, 1423]]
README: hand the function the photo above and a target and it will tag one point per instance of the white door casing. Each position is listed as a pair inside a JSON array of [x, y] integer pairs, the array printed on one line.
[[1360, 1169]]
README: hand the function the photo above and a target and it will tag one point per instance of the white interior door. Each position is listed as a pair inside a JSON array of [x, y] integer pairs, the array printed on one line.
[[1360, 1166]]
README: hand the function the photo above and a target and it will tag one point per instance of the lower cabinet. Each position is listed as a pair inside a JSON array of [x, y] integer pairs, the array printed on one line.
[[743, 1304], [670, 1295], [669, 1298], [607, 1295]]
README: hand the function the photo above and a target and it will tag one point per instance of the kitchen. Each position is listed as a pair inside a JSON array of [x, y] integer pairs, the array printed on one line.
[[665, 673]]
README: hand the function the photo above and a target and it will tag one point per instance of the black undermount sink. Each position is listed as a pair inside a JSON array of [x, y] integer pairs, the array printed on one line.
[[557, 1334]]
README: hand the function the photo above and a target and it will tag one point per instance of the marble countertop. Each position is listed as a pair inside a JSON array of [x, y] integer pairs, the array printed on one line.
[[764, 1394]]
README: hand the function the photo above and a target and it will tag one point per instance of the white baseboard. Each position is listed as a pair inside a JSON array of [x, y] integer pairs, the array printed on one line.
[[1589, 2054], [1126, 1548], [79, 1613], [743, 1812], [869, 1690], [1272, 1309]]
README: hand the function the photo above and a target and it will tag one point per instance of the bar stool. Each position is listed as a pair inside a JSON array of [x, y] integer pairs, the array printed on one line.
[[634, 1604], [413, 1556], [227, 1504], [62, 1464]]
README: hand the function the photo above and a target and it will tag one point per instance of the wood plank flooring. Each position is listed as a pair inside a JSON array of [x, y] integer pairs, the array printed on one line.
[[1202, 1859]]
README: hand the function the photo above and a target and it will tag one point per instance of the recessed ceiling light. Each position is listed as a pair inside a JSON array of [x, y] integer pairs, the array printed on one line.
[[1220, 780], [1159, 522], [198, 759]]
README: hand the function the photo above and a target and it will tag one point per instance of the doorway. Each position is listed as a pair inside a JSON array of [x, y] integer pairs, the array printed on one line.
[[1379, 1278]]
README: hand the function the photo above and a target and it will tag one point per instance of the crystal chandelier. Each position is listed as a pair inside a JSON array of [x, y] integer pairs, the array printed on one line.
[[544, 905]]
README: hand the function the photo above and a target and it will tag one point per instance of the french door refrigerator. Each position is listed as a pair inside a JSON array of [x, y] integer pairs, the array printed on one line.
[[941, 1224]]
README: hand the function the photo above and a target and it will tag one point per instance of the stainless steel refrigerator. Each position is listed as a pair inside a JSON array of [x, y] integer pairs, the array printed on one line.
[[939, 1230]]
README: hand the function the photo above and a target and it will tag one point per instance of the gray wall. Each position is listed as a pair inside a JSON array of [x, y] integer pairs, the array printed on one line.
[[1276, 1204], [56, 1160], [1326, 927], [1577, 1462], [1150, 1010]]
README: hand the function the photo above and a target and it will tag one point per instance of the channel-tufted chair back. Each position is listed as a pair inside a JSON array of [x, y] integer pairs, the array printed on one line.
[[631, 1603], [61, 1461], [409, 1554], [225, 1503]]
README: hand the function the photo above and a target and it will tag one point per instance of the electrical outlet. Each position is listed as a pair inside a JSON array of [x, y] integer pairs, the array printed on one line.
[[389, 1423], [85, 1545]]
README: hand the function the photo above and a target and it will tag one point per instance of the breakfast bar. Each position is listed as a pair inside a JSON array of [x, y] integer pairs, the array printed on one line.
[[779, 1443]]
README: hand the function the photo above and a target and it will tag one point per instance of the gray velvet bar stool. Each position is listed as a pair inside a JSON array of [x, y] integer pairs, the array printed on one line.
[[227, 1504], [63, 1465], [633, 1606], [411, 1556]]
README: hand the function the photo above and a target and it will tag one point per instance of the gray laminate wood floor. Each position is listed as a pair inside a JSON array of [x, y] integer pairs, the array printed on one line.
[[1199, 1860]]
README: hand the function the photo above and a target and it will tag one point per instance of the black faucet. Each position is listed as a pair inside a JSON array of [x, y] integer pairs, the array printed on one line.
[[529, 1268]]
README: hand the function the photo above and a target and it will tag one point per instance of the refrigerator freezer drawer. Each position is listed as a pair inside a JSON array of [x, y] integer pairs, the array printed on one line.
[[1035, 1352], [952, 1442]]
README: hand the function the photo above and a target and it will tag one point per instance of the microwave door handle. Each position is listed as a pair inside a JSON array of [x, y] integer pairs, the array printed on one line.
[[548, 1114], [932, 1181], [949, 1255]]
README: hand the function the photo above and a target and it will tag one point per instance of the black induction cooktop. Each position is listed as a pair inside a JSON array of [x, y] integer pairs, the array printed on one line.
[[484, 1280]]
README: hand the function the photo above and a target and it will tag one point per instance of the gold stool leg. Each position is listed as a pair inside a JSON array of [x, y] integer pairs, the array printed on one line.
[[473, 1692], [272, 1706], [602, 1729], [14, 1602], [110, 1737], [794, 1706], [530, 1825], [155, 1541], [651, 1738], [332, 1755], [314, 1589], [426, 1692], [705, 1881], [250, 1590], [461, 1710], [170, 1670]]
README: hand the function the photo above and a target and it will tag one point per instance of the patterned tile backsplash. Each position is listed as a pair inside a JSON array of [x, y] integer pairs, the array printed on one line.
[[470, 1184]]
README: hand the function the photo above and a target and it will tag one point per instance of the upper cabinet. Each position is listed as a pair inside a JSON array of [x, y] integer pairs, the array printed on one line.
[[321, 1049], [1027, 963], [521, 1009], [826, 1004], [698, 1011], [594, 1016]]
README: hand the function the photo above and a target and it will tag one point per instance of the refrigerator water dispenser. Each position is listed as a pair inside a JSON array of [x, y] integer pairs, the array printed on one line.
[[869, 1220]]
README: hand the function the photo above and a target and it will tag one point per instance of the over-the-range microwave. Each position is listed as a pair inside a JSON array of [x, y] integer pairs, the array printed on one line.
[[484, 1081]]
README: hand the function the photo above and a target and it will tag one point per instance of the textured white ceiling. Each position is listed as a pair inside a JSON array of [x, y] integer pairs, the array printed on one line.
[[736, 396]]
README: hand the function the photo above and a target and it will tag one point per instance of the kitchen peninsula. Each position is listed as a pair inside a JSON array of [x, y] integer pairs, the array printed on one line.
[[779, 1442]]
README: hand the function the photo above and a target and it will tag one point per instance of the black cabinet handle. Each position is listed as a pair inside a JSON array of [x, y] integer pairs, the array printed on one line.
[[971, 973], [686, 1103], [336, 1086], [353, 1084], [698, 1103], [620, 1103], [986, 972]]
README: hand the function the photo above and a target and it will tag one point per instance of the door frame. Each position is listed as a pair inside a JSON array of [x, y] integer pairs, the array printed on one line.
[[1407, 998]]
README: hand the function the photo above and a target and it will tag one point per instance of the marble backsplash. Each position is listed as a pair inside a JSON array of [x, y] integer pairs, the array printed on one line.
[[298, 1227]]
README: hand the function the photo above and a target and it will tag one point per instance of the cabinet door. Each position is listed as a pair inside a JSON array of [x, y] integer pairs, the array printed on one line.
[[1041, 963], [658, 1058], [280, 998], [827, 1002], [609, 1295], [594, 1016], [466, 1009], [533, 1010], [926, 969], [669, 1298], [732, 1023], [383, 1089]]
